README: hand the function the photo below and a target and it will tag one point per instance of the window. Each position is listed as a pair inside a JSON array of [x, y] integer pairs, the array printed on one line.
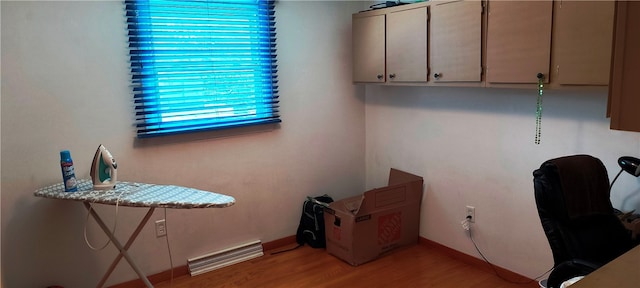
[[202, 64]]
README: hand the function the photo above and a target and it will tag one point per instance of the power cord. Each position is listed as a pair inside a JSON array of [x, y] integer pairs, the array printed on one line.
[[166, 227], [286, 250], [466, 225], [614, 179], [113, 230]]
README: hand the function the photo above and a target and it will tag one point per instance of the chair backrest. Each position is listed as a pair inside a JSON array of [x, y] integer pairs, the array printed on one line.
[[572, 197]]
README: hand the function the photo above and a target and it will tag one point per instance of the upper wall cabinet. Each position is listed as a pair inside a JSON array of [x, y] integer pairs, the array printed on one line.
[[456, 41], [518, 41], [582, 35], [452, 42], [624, 90], [390, 45], [407, 45], [368, 38]]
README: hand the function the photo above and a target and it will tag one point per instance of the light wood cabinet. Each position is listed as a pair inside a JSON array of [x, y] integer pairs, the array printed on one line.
[[582, 35], [624, 88], [390, 45], [456, 41], [506, 44], [368, 40], [518, 41], [407, 45]]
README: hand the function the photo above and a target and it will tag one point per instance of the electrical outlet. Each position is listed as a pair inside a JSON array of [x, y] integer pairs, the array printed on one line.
[[161, 228], [471, 212]]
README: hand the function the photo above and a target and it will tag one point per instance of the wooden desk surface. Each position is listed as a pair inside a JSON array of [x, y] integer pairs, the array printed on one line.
[[622, 272]]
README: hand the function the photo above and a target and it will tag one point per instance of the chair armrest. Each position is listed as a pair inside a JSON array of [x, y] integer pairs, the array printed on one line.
[[586, 264]]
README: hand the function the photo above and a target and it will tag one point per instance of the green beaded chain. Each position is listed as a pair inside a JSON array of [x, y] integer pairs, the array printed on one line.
[[539, 107]]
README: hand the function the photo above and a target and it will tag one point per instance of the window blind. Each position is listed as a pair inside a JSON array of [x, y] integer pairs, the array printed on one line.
[[202, 65]]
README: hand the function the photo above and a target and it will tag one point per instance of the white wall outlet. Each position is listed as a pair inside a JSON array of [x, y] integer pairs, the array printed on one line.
[[161, 228], [471, 212]]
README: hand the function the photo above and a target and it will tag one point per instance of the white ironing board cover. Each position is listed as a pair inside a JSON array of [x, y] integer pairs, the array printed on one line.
[[140, 195]]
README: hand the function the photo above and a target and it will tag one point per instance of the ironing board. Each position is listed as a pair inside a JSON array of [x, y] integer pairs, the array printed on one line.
[[135, 195]]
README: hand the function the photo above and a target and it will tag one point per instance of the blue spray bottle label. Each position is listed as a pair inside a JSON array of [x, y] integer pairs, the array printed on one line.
[[68, 172]]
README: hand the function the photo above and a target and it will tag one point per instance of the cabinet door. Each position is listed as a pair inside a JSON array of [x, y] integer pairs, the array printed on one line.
[[368, 36], [518, 41], [407, 45], [583, 31], [624, 90], [456, 42]]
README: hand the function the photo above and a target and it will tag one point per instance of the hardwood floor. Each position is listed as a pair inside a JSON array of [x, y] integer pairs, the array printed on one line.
[[415, 266]]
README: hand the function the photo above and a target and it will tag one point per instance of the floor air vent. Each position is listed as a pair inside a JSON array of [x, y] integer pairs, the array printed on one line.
[[217, 260]]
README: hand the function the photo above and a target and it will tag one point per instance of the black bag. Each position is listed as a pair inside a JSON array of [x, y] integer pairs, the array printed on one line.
[[311, 228]]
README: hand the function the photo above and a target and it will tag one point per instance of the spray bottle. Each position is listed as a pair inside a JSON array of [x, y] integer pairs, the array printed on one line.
[[68, 172]]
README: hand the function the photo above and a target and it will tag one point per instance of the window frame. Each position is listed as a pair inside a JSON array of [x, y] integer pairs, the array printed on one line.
[[199, 103]]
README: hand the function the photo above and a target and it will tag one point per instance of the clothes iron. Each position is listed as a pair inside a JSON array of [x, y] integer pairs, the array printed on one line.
[[103, 170]]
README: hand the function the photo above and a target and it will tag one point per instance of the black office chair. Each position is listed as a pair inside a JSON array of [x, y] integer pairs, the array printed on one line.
[[572, 196]]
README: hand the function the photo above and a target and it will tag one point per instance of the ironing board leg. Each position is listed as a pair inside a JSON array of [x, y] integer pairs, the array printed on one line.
[[123, 250]]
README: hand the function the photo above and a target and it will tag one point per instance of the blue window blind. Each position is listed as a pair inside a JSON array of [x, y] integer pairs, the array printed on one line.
[[202, 65]]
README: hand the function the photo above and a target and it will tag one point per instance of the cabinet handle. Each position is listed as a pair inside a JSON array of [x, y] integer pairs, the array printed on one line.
[[392, 75], [437, 76], [540, 76], [380, 76]]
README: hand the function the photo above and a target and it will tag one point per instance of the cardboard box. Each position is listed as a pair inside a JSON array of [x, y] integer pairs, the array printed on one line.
[[362, 228]]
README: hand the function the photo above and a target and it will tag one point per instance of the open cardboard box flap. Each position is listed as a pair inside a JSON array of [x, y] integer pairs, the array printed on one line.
[[403, 187], [362, 228]]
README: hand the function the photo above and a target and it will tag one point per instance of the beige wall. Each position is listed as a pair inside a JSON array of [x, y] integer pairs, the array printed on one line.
[[65, 86], [475, 147]]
